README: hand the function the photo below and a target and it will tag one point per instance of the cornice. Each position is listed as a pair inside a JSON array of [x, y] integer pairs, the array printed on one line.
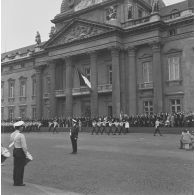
[[178, 37], [181, 20], [15, 61]]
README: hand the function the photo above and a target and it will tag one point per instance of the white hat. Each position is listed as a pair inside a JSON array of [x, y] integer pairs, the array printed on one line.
[[74, 121], [19, 123]]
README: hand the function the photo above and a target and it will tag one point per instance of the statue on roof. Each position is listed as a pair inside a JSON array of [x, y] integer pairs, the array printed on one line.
[[52, 31], [155, 6], [38, 38]]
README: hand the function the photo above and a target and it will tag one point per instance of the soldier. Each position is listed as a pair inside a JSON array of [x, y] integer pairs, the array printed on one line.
[[110, 127], [157, 125], [74, 136], [98, 127], [103, 127], [50, 125], [55, 125], [94, 124], [120, 127], [126, 127]]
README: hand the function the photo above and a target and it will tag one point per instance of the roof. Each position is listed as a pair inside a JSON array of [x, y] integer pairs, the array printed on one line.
[[177, 6], [21, 51]]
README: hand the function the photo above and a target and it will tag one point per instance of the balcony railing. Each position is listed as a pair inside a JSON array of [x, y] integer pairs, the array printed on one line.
[[171, 16], [151, 18], [145, 85], [60, 93], [105, 88], [136, 22], [81, 91]]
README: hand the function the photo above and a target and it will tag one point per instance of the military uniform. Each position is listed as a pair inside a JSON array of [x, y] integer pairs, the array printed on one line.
[[73, 137]]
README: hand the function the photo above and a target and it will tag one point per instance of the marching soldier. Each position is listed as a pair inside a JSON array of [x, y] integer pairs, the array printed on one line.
[[74, 136], [55, 125], [94, 124], [157, 125], [110, 127], [103, 127], [126, 127], [120, 127], [98, 127]]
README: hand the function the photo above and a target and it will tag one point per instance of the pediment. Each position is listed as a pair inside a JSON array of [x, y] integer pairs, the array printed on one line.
[[77, 30], [173, 50], [145, 55]]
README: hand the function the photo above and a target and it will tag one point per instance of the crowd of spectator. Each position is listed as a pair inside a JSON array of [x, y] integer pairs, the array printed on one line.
[[179, 119]]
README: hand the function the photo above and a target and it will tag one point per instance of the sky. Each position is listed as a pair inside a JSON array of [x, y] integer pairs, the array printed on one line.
[[21, 19]]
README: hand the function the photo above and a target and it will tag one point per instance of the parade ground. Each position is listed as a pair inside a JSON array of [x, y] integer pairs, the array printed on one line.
[[133, 164]]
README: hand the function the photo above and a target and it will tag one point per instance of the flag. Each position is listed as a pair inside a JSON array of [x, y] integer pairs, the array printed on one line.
[[83, 80]]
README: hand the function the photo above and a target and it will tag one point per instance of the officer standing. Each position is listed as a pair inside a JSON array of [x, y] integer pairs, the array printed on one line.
[[17, 139], [74, 136]]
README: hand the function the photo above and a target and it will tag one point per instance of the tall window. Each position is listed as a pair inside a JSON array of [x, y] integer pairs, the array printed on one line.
[[11, 113], [2, 113], [48, 84], [174, 66], [33, 85], [2, 90], [146, 72], [34, 112], [11, 88], [148, 107], [110, 74], [175, 105], [23, 89], [23, 112], [87, 72], [140, 13]]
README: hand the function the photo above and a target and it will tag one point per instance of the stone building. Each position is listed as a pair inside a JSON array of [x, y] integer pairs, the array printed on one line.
[[138, 57]]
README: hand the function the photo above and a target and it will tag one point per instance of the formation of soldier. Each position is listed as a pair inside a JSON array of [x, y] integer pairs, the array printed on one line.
[[110, 126], [29, 126]]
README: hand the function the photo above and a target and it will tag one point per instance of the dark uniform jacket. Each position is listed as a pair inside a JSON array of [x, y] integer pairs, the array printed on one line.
[[74, 132]]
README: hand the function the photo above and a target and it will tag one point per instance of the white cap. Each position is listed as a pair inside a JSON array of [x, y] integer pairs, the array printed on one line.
[[19, 123], [74, 121]]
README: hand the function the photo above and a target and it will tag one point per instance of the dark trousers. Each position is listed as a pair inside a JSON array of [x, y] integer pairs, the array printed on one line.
[[74, 144], [19, 163], [157, 130], [93, 130], [55, 129]]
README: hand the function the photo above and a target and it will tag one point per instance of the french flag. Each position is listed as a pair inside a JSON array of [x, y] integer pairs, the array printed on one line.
[[84, 80]]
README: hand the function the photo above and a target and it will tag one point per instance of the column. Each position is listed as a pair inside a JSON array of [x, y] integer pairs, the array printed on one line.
[[52, 96], [64, 87], [132, 88], [64, 76], [94, 84], [157, 78], [122, 81], [116, 105], [39, 93], [69, 84]]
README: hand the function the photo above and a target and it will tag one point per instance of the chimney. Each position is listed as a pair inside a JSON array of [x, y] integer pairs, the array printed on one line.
[[190, 4]]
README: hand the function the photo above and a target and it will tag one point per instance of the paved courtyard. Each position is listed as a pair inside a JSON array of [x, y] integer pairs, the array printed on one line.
[[133, 164]]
